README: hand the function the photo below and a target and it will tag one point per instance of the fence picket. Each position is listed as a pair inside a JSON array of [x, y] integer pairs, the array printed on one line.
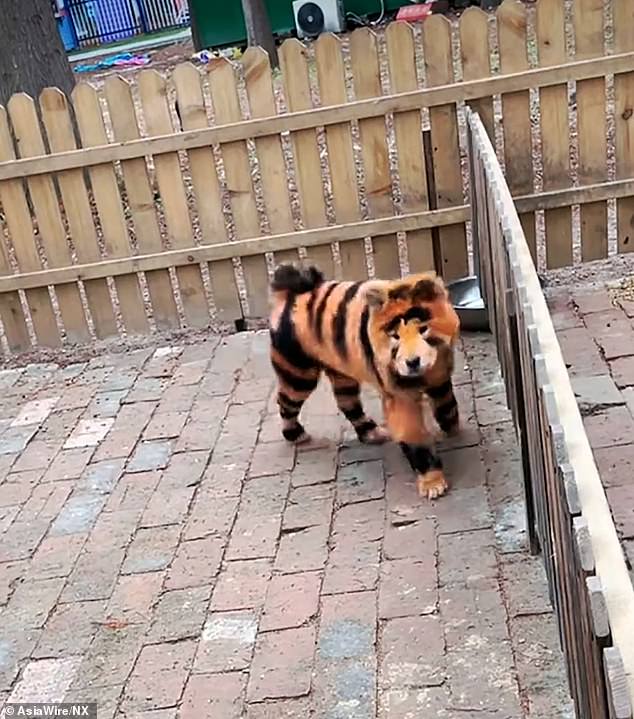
[[591, 109], [109, 206], [193, 114], [292, 55], [59, 130], [551, 44], [511, 22], [18, 218], [445, 146], [259, 85], [409, 142], [474, 43], [331, 76], [156, 111], [51, 229], [224, 95], [624, 119], [141, 201], [378, 183]]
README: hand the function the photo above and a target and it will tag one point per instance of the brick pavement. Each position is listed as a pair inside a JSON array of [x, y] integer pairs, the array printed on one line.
[[595, 327], [164, 553]]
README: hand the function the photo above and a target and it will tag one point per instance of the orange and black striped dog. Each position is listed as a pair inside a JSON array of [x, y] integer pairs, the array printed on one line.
[[396, 335]]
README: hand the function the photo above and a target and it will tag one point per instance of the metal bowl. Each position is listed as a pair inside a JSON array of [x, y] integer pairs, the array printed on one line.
[[467, 300]]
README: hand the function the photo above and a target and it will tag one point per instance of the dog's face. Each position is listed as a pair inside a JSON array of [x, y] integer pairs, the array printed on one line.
[[412, 322]]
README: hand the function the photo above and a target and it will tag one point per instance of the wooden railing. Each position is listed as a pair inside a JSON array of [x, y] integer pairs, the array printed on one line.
[[568, 516]]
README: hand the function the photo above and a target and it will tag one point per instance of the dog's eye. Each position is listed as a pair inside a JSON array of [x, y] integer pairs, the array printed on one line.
[[394, 335], [422, 329]]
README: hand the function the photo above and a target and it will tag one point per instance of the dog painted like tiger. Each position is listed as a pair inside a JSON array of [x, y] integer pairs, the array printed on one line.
[[396, 335]]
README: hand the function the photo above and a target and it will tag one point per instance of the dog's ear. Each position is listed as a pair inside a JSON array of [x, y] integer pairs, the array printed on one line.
[[375, 294], [428, 289]]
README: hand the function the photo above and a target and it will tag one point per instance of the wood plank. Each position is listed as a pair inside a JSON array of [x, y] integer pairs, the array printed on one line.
[[224, 95], [11, 312], [401, 51], [516, 127], [18, 219], [592, 132], [292, 55], [623, 11], [431, 97], [52, 234], [61, 138], [158, 121], [277, 201], [372, 131], [474, 49], [193, 114], [551, 43], [109, 206], [331, 75], [445, 146]]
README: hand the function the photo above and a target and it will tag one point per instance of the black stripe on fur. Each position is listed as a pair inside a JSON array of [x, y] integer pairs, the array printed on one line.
[[339, 320]]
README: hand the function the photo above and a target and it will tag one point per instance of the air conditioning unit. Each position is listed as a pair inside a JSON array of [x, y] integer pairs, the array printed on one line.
[[312, 17]]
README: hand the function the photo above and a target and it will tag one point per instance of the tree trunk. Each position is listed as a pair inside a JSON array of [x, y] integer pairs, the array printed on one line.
[[32, 54], [258, 26]]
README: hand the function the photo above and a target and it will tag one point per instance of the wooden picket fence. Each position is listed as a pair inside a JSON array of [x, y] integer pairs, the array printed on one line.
[[568, 515], [165, 204]]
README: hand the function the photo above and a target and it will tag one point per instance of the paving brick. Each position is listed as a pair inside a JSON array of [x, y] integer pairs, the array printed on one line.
[[314, 467], [308, 506], [168, 505], [56, 556], [525, 586], [302, 551], [410, 703], [254, 536], [296, 708], [102, 476], [112, 530], [467, 557], [224, 480], [210, 515], [227, 642], [151, 550], [345, 666], [610, 427], [17, 487], [360, 482], [592, 301], [461, 510], [464, 468], [621, 500], [32, 602], [581, 355], [241, 585], [126, 430], [291, 601], [78, 514], [38, 455], [70, 629], [89, 432], [7, 515], [147, 389], [199, 434], [69, 464], [159, 676], [407, 588], [628, 394], [272, 458], [352, 566], [15, 439], [354, 452], [107, 404], [22, 539], [133, 491], [189, 373], [77, 397], [410, 539], [413, 652], [208, 696], [60, 424], [93, 576], [282, 664], [266, 494], [165, 426], [133, 597], [177, 399], [46, 677], [615, 464], [120, 380], [622, 369], [196, 563], [540, 666], [47, 500], [179, 614], [150, 455], [11, 574], [492, 409], [34, 412], [106, 698], [16, 646]]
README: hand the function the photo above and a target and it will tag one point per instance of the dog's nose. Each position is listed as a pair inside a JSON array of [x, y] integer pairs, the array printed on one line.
[[413, 364]]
